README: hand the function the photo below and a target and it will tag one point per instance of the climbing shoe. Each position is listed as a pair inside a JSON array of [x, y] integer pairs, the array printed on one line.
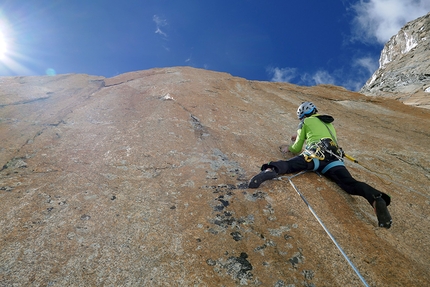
[[262, 176], [381, 210]]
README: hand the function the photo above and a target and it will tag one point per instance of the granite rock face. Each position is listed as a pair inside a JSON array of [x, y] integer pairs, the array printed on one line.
[[140, 180], [404, 66]]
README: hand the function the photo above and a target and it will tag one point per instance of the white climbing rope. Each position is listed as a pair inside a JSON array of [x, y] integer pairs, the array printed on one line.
[[324, 227]]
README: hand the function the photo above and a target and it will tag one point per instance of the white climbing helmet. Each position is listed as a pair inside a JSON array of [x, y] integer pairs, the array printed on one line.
[[305, 108]]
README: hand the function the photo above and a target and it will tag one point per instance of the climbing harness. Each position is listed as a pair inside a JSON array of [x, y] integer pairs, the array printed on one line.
[[326, 148], [323, 226]]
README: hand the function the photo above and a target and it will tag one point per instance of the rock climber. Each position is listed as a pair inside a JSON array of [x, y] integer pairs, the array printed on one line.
[[322, 154]]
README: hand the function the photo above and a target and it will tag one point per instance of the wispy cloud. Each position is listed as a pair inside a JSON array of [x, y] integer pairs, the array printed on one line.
[[293, 75], [381, 19], [159, 23], [364, 67], [368, 64], [282, 74], [322, 77]]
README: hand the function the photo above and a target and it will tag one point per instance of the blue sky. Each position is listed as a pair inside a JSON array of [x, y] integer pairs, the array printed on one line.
[[305, 42]]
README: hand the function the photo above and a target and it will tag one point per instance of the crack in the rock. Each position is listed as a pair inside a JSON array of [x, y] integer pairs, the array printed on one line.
[[26, 102], [55, 124], [411, 163], [100, 83]]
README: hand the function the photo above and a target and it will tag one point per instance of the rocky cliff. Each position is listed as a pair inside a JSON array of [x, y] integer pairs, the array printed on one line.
[[140, 180], [404, 66]]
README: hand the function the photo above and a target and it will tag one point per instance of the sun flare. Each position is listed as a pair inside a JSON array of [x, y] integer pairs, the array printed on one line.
[[3, 46]]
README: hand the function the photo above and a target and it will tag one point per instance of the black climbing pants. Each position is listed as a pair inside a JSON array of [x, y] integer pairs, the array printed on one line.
[[338, 173]]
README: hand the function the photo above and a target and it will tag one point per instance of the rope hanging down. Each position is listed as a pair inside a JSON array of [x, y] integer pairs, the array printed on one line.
[[324, 227]]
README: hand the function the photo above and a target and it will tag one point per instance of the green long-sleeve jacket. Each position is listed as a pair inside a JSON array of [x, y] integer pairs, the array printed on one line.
[[312, 129]]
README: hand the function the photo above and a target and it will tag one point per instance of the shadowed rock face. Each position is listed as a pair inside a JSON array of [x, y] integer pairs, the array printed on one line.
[[404, 66], [140, 180]]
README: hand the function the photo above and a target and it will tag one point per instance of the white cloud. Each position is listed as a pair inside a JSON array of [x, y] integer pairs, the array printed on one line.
[[317, 78], [322, 77], [288, 74], [353, 84], [158, 31], [282, 74], [369, 64], [159, 22], [381, 19], [365, 66]]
